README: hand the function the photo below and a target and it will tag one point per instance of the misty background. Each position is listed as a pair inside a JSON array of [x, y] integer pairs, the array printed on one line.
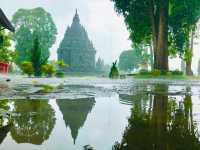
[[106, 29]]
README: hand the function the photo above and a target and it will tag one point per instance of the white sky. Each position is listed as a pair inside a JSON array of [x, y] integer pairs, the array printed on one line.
[[105, 28]]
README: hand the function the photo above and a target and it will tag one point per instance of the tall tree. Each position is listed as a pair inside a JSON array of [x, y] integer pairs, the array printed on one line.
[[153, 19], [27, 22], [36, 57], [183, 19], [148, 20]]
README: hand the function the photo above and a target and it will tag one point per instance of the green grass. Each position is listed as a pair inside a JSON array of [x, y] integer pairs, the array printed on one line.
[[167, 77]]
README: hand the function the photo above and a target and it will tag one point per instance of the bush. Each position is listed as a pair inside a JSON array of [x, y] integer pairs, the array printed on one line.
[[156, 72], [177, 72], [48, 70], [62, 64], [27, 68], [60, 74], [164, 72]]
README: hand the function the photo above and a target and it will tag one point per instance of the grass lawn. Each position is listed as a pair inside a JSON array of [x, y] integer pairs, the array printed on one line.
[[167, 77]]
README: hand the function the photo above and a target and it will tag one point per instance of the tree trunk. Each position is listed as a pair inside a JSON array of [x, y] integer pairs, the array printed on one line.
[[152, 56], [159, 117], [189, 68], [162, 44], [189, 62], [183, 67], [159, 20]]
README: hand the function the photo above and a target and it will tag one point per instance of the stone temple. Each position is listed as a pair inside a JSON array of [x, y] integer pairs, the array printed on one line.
[[76, 49]]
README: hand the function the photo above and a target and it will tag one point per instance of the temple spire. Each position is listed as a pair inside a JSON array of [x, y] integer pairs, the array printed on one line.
[[76, 17]]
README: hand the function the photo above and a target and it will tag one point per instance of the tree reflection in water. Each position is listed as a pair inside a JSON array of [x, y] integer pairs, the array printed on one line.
[[33, 122], [160, 123], [4, 128]]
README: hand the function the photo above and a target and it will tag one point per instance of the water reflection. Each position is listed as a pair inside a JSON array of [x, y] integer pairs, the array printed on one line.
[[75, 113], [4, 128], [160, 122], [33, 121]]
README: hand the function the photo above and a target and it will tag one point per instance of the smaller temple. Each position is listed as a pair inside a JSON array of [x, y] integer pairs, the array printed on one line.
[[76, 49]]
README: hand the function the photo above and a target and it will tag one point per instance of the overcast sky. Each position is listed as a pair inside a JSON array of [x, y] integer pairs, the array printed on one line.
[[105, 28]]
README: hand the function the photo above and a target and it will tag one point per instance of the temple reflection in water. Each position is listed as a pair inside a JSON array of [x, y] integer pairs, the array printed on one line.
[[75, 113]]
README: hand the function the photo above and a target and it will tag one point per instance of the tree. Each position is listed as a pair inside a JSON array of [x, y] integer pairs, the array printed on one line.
[[33, 123], [6, 54], [158, 122], [184, 16], [27, 22], [147, 21], [152, 21], [37, 58], [133, 59], [198, 68]]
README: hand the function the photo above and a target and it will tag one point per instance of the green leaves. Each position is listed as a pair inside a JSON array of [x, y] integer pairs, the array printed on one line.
[[28, 22], [6, 54]]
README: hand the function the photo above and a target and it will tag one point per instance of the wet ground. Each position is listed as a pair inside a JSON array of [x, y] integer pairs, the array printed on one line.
[[102, 113]]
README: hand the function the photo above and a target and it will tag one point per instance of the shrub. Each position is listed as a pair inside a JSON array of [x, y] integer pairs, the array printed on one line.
[[48, 70], [164, 72], [156, 72], [60, 74], [62, 64], [177, 72], [27, 68]]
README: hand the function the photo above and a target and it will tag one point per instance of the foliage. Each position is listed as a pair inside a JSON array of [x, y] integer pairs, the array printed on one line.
[[6, 54], [184, 16], [133, 59], [27, 68], [38, 126], [176, 72], [156, 72], [114, 73], [27, 22], [36, 57], [156, 18], [48, 69], [62, 64], [167, 125], [60, 74]]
